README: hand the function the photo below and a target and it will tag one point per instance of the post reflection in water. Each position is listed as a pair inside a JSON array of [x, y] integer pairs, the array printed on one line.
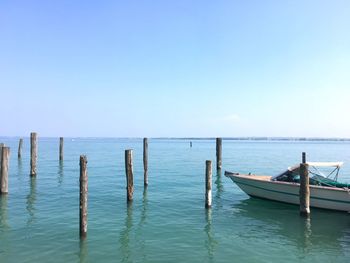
[[140, 227], [210, 241], [20, 166], [31, 198], [60, 173], [3, 213], [125, 235], [219, 186], [309, 235], [83, 250], [144, 208]]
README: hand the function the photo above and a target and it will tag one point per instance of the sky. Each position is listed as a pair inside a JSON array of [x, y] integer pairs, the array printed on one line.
[[183, 68]]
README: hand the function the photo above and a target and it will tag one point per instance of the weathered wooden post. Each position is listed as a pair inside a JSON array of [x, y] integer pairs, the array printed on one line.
[[145, 161], [129, 175], [1, 146], [20, 144], [5, 157], [61, 148], [208, 183], [304, 191], [218, 153], [83, 196], [33, 153]]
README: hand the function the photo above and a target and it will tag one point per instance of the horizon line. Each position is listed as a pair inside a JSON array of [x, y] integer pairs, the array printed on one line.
[[257, 138]]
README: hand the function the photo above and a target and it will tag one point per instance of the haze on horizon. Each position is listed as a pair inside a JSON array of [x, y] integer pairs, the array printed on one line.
[[175, 68]]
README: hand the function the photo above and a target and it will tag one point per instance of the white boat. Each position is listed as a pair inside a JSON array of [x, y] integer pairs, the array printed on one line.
[[325, 191]]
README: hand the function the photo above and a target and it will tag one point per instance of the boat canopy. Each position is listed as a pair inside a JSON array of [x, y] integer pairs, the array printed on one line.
[[295, 169], [318, 164]]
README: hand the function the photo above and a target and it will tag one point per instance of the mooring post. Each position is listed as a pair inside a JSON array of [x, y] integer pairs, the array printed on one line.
[[20, 144], [129, 175], [218, 153], [1, 146], [33, 153], [304, 191], [83, 196], [61, 148], [208, 183], [145, 161], [5, 157]]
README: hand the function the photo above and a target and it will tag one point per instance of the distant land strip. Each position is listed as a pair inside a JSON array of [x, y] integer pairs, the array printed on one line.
[[200, 138], [256, 138]]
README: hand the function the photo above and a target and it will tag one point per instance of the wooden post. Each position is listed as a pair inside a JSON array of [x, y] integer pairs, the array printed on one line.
[[33, 153], [145, 161], [1, 146], [303, 158], [218, 153], [304, 191], [208, 183], [5, 157], [20, 144], [61, 148], [129, 174], [83, 196]]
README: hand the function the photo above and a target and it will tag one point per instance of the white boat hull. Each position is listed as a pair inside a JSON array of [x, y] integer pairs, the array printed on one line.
[[320, 196]]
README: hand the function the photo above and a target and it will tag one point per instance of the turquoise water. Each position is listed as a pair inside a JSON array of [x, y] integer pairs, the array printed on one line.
[[39, 219]]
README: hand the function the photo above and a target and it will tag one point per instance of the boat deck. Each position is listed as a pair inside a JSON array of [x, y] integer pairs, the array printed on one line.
[[250, 176]]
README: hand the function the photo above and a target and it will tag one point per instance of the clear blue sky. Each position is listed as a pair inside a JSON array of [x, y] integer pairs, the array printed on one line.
[[175, 68]]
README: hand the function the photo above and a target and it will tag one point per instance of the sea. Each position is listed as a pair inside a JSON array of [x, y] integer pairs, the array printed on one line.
[[167, 221]]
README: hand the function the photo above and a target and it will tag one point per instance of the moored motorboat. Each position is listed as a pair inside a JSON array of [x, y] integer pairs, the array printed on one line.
[[325, 191]]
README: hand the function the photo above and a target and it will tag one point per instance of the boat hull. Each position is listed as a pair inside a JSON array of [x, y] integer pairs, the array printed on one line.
[[321, 197]]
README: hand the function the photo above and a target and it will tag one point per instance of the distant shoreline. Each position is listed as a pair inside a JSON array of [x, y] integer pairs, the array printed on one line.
[[204, 138], [262, 138]]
